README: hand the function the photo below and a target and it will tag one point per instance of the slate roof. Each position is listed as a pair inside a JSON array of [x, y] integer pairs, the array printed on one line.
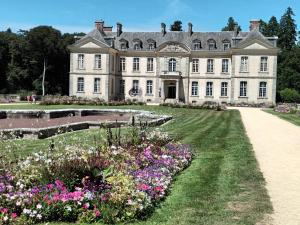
[[111, 38]]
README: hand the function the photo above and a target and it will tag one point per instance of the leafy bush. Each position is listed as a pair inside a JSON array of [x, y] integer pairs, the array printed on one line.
[[290, 95]]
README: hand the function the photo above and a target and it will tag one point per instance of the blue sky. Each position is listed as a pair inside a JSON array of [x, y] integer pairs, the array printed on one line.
[[138, 15]]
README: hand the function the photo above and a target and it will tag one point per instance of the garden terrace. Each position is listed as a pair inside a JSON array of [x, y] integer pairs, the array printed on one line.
[[46, 123]]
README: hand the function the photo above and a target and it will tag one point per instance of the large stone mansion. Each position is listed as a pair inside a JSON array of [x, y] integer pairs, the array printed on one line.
[[175, 66]]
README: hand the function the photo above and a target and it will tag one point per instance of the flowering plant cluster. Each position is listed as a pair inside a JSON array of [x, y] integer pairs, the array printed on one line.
[[103, 183]]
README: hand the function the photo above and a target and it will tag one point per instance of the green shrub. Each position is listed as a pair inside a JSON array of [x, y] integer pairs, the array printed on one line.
[[290, 95]]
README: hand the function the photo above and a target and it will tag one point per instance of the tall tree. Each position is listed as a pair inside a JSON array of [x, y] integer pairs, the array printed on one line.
[[230, 25], [271, 28], [176, 26], [287, 32]]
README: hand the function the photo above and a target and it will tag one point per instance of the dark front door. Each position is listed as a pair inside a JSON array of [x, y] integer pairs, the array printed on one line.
[[171, 92]]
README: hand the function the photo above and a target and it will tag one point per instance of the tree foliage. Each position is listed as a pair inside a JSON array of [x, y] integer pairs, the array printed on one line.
[[176, 26], [231, 25], [287, 34]]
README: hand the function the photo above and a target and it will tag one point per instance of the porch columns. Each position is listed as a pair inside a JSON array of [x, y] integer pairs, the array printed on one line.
[[177, 90]]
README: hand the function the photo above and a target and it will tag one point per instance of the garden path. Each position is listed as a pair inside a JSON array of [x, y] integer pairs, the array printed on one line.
[[276, 143]]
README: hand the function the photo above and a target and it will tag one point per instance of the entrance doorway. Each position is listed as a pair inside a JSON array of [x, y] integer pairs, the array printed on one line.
[[171, 92]]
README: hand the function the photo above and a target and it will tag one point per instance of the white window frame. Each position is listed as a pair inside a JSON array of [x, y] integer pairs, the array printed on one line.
[[135, 86], [150, 63], [225, 66], [80, 62], [172, 65], [151, 46], [243, 88], [195, 65], [137, 46], [197, 45], [226, 46], [262, 90], [97, 62], [122, 64], [244, 67], [224, 89], [80, 84], [210, 66], [136, 64], [209, 89], [149, 87], [194, 89], [264, 64], [97, 86]]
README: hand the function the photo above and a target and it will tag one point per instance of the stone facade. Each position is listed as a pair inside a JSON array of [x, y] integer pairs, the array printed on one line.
[[189, 67]]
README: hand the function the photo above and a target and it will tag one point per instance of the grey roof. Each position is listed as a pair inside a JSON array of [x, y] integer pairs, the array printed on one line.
[[174, 36]]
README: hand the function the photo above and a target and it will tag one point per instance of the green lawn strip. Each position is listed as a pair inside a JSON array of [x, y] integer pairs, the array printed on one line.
[[223, 185], [291, 117]]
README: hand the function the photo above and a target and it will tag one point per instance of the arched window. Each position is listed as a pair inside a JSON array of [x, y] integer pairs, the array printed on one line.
[[137, 44], [211, 44], [197, 44], [151, 44], [123, 44], [172, 65], [226, 44]]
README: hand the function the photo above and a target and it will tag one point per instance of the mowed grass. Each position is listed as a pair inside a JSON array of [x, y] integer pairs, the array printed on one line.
[[223, 185], [291, 117]]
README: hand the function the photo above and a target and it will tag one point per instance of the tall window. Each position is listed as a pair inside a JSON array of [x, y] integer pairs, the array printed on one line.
[[122, 64], [97, 85], [243, 89], [194, 88], [263, 64], [136, 64], [224, 87], [244, 64], [149, 87], [80, 84], [225, 63], [209, 89], [135, 86], [262, 89], [172, 65], [97, 64], [122, 87], [195, 65], [210, 65], [149, 64], [80, 61]]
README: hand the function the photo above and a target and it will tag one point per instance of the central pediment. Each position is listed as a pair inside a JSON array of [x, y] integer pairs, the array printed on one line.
[[173, 48]]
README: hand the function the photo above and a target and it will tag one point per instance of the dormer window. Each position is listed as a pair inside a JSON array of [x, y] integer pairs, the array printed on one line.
[[212, 44], [123, 44], [226, 45], [137, 44], [151, 44], [196, 45]]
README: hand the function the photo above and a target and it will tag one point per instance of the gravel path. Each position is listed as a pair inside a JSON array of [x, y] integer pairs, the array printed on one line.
[[277, 148]]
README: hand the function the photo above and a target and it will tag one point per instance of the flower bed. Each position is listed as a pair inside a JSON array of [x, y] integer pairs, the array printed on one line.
[[109, 183]]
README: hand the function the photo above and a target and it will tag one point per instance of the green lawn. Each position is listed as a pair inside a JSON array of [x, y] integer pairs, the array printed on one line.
[[291, 117], [223, 185]]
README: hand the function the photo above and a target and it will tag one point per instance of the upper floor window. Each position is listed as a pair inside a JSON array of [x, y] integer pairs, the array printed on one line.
[[263, 64], [137, 44], [149, 64], [210, 65], [196, 45], [122, 64], [194, 88], [195, 65], [136, 64], [172, 65], [209, 88], [262, 89], [212, 44], [80, 61], [97, 85], [226, 44], [97, 63], [225, 63], [244, 64], [243, 89], [224, 87], [149, 87], [123, 44], [122, 87], [151, 44], [80, 84]]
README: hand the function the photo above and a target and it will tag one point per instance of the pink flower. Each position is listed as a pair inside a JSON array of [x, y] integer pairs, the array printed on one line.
[[50, 186], [14, 215], [4, 210], [143, 187], [97, 213], [86, 206]]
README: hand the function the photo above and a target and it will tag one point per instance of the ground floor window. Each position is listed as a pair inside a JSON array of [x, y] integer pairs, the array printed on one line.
[[80, 84], [243, 89], [224, 86], [122, 87], [194, 88], [149, 88], [262, 89], [97, 85], [209, 89], [135, 86]]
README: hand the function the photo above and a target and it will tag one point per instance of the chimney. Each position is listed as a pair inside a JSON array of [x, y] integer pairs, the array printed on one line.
[[119, 29], [190, 28], [254, 24], [163, 28], [236, 30], [99, 25]]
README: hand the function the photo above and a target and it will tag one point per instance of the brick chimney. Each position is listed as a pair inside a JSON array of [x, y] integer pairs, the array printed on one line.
[[254, 24], [99, 24], [119, 29], [163, 28], [190, 28]]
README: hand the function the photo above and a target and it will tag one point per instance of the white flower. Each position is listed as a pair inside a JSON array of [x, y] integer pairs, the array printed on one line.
[[39, 216], [39, 206], [68, 208], [34, 212], [5, 218]]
